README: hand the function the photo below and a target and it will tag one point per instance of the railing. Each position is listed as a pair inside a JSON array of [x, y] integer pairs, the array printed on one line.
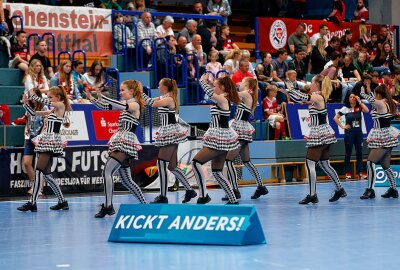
[[195, 60], [36, 37], [84, 57], [63, 53], [140, 56], [181, 82], [50, 36], [160, 45], [113, 73], [21, 22]]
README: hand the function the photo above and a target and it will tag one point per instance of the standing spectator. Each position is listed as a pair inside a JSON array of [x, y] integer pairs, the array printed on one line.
[[197, 8], [63, 78], [189, 30], [232, 61], [322, 33], [338, 12], [298, 65], [220, 7], [361, 14], [319, 57], [41, 48], [165, 29], [35, 79], [20, 53], [146, 29], [300, 40], [243, 72], [353, 135], [334, 45]]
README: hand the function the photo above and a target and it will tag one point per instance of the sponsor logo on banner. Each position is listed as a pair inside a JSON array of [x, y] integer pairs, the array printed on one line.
[[74, 28], [381, 177], [77, 130], [105, 124], [305, 121], [278, 34], [189, 224]]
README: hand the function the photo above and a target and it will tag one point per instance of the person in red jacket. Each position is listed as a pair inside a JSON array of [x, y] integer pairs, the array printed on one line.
[[338, 12]]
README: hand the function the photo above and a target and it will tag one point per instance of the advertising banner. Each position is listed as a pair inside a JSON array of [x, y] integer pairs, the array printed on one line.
[[299, 120], [74, 28], [381, 177]]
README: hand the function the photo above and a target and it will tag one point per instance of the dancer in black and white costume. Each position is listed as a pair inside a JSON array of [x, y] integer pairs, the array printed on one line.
[[168, 137], [123, 145], [248, 94], [219, 138], [381, 140], [320, 137], [48, 144]]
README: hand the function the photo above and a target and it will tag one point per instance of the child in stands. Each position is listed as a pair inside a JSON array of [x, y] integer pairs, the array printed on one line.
[[272, 113]]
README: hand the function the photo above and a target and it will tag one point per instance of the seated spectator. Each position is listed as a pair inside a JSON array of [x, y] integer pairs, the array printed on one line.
[[362, 65], [298, 65], [300, 40], [291, 82], [110, 4], [243, 72], [264, 69], [272, 113], [181, 45], [373, 48], [189, 30], [41, 49], [146, 30], [396, 85], [386, 59], [118, 30], [95, 76], [280, 67], [165, 29], [355, 50], [232, 61], [374, 79], [213, 65], [35, 78], [197, 8], [220, 7], [346, 43], [384, 36], [225, 43], [207, 33], [77, 75], [338, 12], [20, 53], [163, 58], [319, 57], [348, 75], [363, 86], [322, 33], [331, 70], [195, 47], [387, 80], [246, 56], [64, 79], [361, 14], [334, 45]]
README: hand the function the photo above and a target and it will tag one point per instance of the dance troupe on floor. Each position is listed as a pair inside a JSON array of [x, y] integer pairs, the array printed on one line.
[[222, 143]]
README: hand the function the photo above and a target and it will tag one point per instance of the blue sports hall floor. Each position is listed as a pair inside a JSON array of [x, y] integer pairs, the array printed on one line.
[[348, 234]]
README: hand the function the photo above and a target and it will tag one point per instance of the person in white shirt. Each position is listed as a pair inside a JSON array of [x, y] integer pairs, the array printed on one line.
[[165, 29], [323, 33]]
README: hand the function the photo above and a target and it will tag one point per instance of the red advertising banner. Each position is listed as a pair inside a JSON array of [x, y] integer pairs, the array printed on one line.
[[105, 123], [74, 28], [273, 33]]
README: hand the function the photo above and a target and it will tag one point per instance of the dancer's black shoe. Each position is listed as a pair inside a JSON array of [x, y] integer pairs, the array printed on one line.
[[309, 199], [60, 206], [261, 190], [189, 194], [105, 211], [369, 193], [203, 200], [339, 193], [237, 195], [391, 193], [160, 199], [28, 207]]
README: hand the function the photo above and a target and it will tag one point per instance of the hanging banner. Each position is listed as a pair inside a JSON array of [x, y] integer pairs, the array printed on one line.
[[74, 28]]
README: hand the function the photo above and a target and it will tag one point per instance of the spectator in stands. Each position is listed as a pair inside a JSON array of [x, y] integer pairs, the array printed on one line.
[[291, 82], [334, 45], [146, 29], [35, 78], [63, 78], [387, 80], [225, 43], [362, 65], [396, 85], [181, 45], [348, 75], [41, 48], [300, 40], [110, 4], [299, 66], [220, 7], [322, 33], [280, 67], [189, 30], [331, 70], [119, 27], [208, 39], [32, 129], [319, 57], [355, 50], [246, 56], [165, 29], [373, 48], [264, 69], [384, 36], [195, 47], [346, 43], [95, 76], [163, 58], [361, 14], [19, 52], [353, 134], [77, 75], [2, 17], [386, 59], [243, 72], [375, 77], [213, 65], [137, 5], [363, 86], [273, 113], [197, 8], [232, 61], [338, 12], [6, 32]]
